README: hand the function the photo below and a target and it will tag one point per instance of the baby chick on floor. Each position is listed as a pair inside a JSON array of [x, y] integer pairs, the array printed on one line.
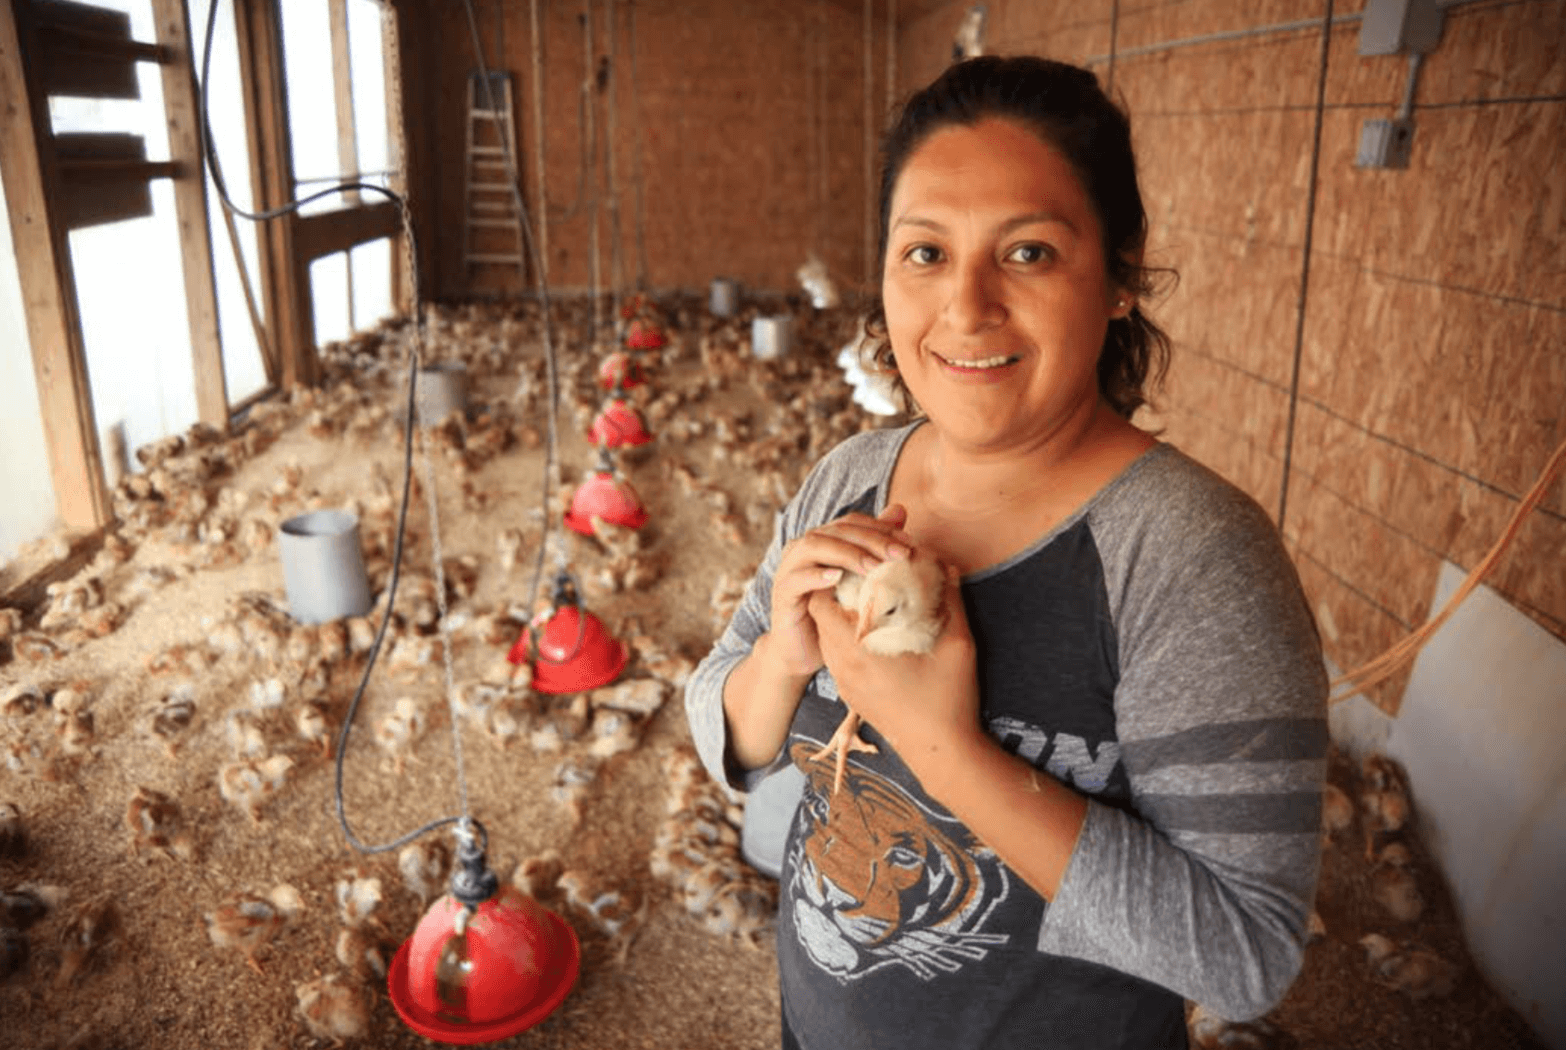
[[900, 610]]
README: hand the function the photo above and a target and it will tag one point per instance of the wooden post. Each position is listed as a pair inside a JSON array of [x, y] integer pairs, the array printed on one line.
[[190, 209], [342, 92], [48, 289], [288, 294]]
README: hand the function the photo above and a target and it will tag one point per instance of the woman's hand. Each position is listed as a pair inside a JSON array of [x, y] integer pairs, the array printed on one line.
[[923, 704], [813, 563]]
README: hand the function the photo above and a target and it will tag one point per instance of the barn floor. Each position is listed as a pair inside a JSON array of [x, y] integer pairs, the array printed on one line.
[[194, 582]]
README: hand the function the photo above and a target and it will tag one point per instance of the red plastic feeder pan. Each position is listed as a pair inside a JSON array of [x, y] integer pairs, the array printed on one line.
[[608, 497], [618, 426], [620, 370], [506, 969], [573, 652]]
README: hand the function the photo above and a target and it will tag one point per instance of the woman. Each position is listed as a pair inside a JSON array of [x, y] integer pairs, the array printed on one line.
[[1099, 794]]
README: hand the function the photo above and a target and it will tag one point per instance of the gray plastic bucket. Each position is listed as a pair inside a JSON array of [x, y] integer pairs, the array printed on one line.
[[770, 337], [323, 568], [724, 300], [443, 389]]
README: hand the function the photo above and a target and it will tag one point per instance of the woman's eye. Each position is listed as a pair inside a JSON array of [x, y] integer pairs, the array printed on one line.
[[1029, 253], [923, 254]]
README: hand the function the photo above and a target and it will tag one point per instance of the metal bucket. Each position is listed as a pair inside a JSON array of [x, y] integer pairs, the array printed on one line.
[[771, 337], [724, 300], [443, 389], [323, 568]]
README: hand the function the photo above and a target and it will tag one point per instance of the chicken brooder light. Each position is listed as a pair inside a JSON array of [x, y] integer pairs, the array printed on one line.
[[571, 650], [618, 426], [486, 962], [605, 495]]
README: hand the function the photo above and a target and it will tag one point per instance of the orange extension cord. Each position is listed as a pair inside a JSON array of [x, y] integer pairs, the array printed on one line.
[[1378, 669]]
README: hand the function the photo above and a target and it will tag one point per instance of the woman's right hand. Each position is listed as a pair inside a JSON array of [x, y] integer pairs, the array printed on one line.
[[817, 560]]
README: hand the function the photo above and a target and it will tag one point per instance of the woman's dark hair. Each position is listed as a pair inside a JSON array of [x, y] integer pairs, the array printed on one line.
[[1066, 108]]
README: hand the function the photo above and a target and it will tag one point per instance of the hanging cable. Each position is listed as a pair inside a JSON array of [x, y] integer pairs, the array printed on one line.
[[1305, 250], [869, 209], [616, 263], [1114, 33], [1384, 666], [537, 50], [636, 154]]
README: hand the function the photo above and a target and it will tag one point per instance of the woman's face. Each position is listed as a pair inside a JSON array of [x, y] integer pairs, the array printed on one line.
[[996, 293]]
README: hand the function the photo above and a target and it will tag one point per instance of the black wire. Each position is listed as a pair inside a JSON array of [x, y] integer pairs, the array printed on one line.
[[209, 155]]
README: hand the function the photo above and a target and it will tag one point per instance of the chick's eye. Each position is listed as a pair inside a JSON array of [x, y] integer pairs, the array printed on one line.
[[1032, 252]]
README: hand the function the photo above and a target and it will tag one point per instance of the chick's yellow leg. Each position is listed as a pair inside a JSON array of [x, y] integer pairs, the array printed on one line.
[[843, 741]]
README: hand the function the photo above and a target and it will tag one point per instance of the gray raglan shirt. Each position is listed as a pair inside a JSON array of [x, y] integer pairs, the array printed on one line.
[[1155, 652]]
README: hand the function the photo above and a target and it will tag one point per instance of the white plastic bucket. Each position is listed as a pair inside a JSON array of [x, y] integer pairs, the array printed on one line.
[[770, 337], [724, 299], [323, 568]]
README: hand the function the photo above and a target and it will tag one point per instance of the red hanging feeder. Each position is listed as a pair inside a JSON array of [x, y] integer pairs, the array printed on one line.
[[618, 425], [620, 371], [486, 962], [644, 334], [606, 496], [574, 651]]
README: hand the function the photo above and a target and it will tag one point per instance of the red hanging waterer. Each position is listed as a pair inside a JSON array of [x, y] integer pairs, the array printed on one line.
[[644, 334], [486, 961], [605, 495], [620, 370], [571, 649], [618, 425]]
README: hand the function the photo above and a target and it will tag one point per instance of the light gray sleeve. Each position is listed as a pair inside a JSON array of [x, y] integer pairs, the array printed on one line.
[[843, 474], [1221, 713]]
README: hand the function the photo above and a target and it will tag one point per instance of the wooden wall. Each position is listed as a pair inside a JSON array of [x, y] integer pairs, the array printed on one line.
[[740, 138], [1432, 364]]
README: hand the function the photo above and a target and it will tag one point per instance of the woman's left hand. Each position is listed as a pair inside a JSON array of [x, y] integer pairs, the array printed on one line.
[[921, 703]]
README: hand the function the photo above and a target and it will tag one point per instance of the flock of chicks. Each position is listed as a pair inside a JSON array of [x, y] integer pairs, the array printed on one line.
[[284, 686], [289, 683]]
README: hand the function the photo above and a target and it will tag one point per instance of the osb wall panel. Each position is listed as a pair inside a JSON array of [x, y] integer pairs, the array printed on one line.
[[744, 121], [1141, 25], [1433, 386]]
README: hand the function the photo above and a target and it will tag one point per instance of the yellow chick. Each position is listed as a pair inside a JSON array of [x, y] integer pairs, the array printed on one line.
[[246, 922], [314, 726], [1384, 800], [900, 610], [358, 895], [397, 732], [153, 820], [248, 783], [171, 716], [424, 865], [362, 953], [1414, 971], [333, 1009], [87, 929], [1393, 886], [1337, 811]]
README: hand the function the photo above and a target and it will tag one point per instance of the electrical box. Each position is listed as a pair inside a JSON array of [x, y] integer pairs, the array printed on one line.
[[1394, 27], [1385, 143]]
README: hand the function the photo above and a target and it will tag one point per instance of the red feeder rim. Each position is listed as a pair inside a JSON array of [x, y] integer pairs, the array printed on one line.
[[644, 335], [608, 497], [575, 653], [518, 961], [621, 370], [618, 425]]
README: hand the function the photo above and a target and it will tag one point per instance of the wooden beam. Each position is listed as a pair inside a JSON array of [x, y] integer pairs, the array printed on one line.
[[104, 177], [287, 282], [256, 154], [337, 231], [183, 114], [48, 289], [85, 51], [342, 93]]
